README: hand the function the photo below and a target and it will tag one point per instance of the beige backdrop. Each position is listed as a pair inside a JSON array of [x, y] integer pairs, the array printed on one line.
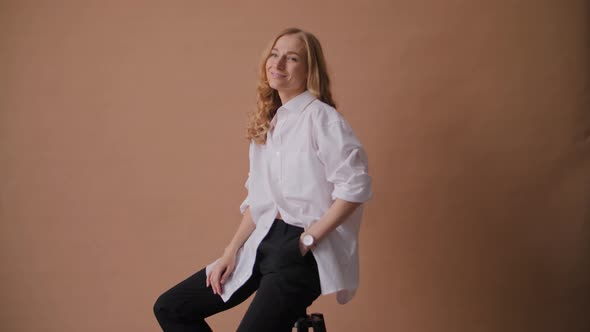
[[123, 158]]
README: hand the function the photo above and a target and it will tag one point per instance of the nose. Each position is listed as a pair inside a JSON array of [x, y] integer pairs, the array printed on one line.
[[281, 62]]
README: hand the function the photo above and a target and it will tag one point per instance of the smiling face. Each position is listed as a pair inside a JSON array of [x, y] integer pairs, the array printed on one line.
[[286, 67]]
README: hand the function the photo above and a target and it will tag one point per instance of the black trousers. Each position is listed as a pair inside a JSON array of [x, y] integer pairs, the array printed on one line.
[[285, 282]]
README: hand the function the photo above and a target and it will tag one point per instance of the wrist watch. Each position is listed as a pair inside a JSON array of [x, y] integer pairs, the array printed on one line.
[[308, 240]]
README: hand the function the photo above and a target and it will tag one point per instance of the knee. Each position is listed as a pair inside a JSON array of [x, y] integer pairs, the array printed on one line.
[[160, 307], [170, 307]]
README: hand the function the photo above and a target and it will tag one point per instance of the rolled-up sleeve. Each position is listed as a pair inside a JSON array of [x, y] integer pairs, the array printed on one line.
[[246, 203], [345, 162]]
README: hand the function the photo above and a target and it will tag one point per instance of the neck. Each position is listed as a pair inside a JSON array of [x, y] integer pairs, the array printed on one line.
[[288, 95]]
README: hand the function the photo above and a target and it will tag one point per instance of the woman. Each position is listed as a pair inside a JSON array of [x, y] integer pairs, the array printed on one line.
[[307, 182]]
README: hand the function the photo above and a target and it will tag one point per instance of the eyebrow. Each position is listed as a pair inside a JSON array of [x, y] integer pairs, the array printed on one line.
[[290, 52]]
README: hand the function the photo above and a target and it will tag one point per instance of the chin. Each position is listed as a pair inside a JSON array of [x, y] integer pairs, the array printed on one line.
[[276, 86]]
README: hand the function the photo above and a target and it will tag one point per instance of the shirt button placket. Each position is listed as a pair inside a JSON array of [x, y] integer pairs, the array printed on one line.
[[280, 176], [280, 168]]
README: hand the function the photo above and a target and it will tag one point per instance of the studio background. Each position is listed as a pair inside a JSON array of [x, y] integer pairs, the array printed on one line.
[[123, 157]]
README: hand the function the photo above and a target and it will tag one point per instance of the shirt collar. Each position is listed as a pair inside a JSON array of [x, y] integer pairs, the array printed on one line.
[[298, 103]]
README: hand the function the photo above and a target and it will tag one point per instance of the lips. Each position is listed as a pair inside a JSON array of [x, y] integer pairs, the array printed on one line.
[[276, 75]]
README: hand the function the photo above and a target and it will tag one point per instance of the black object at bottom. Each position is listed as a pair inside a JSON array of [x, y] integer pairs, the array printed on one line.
[[315, 320]]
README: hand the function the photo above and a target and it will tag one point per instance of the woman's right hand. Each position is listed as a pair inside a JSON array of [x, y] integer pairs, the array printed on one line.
[[221, 271]]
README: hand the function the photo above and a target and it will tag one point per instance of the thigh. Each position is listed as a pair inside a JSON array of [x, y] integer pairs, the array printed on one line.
[[192, 299], [284, 295]]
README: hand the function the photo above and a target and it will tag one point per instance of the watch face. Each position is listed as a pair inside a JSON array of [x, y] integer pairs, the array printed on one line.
[[308, 240]]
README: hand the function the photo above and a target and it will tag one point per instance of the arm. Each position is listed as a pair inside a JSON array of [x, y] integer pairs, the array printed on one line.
[[346, 166], [334, 216], [246, 228], [226, 264]]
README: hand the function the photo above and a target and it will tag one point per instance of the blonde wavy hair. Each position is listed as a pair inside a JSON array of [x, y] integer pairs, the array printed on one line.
[[268, 101]]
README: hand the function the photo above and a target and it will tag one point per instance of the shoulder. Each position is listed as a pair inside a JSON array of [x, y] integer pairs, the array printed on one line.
[[323, 114]]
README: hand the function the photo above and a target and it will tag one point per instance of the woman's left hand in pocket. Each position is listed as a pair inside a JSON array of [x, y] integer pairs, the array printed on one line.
[[302, 248]]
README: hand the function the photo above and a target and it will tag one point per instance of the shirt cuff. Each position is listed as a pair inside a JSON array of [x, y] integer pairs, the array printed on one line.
[[354, 192], [245, 204]]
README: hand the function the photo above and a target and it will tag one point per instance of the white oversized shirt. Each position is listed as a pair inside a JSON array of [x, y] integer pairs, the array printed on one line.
[[311, 157]]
